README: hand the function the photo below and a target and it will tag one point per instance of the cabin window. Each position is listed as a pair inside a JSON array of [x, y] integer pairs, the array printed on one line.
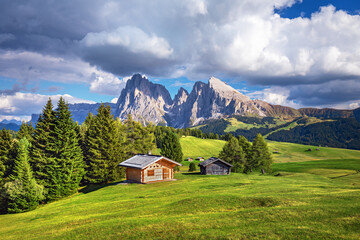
[[151, 173]]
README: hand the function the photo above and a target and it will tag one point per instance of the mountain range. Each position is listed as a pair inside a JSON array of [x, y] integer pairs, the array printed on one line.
[[150, 102]]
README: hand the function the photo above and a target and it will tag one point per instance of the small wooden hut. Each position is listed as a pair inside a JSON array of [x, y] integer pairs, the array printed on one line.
[[149, 168], [215, 166]]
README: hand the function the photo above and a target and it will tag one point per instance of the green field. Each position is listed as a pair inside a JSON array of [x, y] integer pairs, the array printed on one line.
[[302, 199], [287, 152]]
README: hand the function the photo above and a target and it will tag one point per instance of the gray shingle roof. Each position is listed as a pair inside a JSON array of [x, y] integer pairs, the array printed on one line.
[[142, 161], [212, 160]]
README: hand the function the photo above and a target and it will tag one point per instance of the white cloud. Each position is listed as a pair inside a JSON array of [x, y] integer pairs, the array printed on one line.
[[30, 66], [114, 100], [108, 84], [25, 104], [131, 38], [275, 95]]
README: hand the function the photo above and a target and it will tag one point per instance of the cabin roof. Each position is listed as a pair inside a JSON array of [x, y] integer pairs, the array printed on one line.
[[141, 161], [212, 160]]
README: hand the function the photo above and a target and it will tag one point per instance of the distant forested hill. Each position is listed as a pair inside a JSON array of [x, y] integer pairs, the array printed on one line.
[[343, 133]]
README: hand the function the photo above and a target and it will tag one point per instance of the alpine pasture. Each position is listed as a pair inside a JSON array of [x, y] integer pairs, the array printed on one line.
[[310, 195]]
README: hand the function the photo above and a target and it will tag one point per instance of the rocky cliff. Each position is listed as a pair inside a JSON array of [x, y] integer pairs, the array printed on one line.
[[144, 100]]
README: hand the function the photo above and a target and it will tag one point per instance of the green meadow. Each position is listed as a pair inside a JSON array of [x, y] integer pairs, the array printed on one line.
[[309, 195]]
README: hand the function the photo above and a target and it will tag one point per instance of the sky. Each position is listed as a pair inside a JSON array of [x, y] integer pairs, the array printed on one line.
[[289, 52]]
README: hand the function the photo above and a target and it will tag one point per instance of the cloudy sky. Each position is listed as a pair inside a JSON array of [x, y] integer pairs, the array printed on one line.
[[290, 52]]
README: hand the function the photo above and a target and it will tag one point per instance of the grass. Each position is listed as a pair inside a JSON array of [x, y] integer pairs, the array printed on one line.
[[287, 152], [236, 124], [303, 199]]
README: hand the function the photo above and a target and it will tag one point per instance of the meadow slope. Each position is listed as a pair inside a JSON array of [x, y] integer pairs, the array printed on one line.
[[302, 199]]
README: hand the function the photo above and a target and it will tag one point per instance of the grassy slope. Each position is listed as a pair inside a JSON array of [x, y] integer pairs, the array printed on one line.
[[312, 199], [288, 152]]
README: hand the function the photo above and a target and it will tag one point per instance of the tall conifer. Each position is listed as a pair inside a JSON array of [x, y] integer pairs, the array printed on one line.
[[102, 148], [140, 139], [41, 152], [26, 130], [6, 145], [233, 154], [171, 147], [67, 167], [260, 155]]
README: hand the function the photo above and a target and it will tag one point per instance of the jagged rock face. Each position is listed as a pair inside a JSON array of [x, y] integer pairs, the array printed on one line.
[[145, 101], [216, 100], [148, 102]]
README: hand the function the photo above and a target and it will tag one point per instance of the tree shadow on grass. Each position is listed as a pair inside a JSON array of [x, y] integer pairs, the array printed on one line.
[[191, 173], [94, 187]]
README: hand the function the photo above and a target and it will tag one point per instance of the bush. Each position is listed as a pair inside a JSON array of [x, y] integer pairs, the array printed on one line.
[[192, 167], [20, 197]]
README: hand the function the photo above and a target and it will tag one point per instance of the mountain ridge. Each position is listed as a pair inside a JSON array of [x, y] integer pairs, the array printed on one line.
[[213, 100]]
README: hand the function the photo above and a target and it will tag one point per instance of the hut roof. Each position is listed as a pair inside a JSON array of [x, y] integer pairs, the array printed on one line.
[[141, 161], [212, 160]]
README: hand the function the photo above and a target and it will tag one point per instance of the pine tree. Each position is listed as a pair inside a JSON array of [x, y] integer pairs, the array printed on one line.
[[41, 153], [6, 146], [246, 146], [233, 154], [260, 155], [22, 193], [141, 139], [26, 130], [102, 148], [171, 147], [67, 167]]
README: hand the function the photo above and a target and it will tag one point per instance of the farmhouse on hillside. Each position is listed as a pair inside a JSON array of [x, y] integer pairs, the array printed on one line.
[[215, 166], [149, 168]]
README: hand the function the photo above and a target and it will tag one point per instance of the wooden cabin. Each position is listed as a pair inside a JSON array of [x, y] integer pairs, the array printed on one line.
[[149, 168], [215, 166]]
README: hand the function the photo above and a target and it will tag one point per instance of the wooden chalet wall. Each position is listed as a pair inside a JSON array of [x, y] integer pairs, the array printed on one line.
[[215, 168], [160, 170], [133, 174]]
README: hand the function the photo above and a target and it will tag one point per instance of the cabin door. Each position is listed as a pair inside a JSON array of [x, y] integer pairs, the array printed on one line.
[[165, 173]]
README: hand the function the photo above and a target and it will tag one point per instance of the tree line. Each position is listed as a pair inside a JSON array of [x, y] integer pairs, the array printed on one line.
[[50, 161], [245, 156]]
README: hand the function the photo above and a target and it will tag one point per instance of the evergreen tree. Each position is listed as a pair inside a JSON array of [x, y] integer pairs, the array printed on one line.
[[6, 145], [140, 139], [102, 148], [22, 193], [171, 147], [233, 154], [260, 155], [246, 146], [67, 168], [41, 152], [26, 130], [192, 167]]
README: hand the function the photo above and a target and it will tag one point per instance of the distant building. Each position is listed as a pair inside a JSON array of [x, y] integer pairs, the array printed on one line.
[[189, 159], [215, 166], [149, 168], [200, 159]]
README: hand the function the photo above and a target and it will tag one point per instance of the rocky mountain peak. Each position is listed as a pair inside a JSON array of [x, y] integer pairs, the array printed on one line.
[[226, 90], [181, 96]]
